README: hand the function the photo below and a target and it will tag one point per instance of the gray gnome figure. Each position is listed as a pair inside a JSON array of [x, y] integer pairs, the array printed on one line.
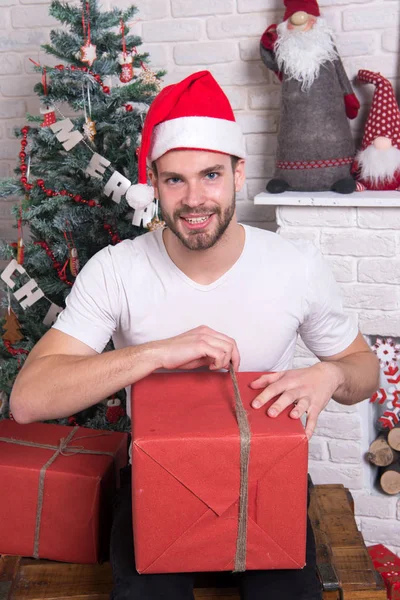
[[315, 145]]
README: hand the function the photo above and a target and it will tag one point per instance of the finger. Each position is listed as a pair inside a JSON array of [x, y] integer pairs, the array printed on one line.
[[266, 379], [271, 391], [312, 419], [284, 400], [225, 338], [227, 346], [300, 408], [195, 364]]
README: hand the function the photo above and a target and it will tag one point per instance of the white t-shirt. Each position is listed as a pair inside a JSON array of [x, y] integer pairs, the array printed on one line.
[[277, 289]]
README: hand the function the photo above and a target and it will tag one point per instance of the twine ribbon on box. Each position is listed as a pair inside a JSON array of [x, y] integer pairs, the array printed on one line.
[[245, 440], [63, 449]]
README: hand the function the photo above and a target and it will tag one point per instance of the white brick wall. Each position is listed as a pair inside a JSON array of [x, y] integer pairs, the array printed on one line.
[[183, 36], [222, 35], [362, 247]]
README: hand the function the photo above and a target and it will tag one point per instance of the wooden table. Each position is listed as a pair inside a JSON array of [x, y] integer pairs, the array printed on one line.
[[344, 564]]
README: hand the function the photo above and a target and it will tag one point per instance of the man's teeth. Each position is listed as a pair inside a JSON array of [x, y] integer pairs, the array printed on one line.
[[196, 219]]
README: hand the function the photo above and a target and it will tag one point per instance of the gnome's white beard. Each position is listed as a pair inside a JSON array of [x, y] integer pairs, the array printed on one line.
[[379, 165], [300, 54]]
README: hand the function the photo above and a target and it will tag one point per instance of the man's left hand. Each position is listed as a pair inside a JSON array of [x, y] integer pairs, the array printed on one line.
[[309, 389]]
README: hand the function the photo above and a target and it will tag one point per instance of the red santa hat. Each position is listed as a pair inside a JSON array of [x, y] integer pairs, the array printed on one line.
[[193, 114], [309, 6], [384, 115]]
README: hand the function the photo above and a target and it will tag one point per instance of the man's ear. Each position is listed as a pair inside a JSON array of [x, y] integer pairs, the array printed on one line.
[[240, 174], [153, 180]]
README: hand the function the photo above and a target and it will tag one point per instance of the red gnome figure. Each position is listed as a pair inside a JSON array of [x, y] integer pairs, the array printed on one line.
[[377, 164]]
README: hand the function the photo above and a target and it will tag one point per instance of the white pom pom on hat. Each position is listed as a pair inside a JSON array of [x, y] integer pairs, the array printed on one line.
[[139, 196], [194, 114]]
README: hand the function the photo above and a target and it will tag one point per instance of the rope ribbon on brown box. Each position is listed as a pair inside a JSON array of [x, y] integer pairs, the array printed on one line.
[[245, 440], [64, 450]]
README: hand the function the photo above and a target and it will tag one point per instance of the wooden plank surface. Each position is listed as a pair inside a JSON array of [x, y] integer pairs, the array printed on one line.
[[342, 558], [340, 545]]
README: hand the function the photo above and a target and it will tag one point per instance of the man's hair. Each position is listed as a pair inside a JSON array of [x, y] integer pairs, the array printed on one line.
[[234, 162]]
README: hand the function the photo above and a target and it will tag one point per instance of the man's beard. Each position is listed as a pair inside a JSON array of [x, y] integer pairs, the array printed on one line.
[[199, 240], [300, 54], [379, 166]]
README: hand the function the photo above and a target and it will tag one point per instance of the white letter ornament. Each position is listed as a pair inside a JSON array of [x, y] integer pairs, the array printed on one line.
[[97, 166], [145, 215], [116, 186], [9, 271], [68, 136], [52, 314], [28, 291]]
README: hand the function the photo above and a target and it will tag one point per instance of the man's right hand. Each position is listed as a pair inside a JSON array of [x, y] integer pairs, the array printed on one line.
[[198, 347]]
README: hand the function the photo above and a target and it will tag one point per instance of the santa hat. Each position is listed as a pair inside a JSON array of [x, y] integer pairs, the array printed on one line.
[[193, 114], [384, 115], [309, 6]]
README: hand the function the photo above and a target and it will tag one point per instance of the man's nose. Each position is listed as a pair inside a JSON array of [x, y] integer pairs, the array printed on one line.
[[193, 194]]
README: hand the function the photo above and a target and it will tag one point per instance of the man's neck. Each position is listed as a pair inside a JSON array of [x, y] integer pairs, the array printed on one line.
[[206, 266]]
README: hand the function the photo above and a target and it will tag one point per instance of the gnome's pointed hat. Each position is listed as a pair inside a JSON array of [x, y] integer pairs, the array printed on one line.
[[309, 6], [384, 115], [193, 114]]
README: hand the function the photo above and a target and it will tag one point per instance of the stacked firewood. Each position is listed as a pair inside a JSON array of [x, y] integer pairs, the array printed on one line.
[[384, 452]]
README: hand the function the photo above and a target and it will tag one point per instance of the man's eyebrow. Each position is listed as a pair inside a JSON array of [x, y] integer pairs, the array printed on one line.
[[212, 169], [174, 175]]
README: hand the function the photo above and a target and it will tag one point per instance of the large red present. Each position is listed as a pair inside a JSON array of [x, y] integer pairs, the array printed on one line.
[[186, 477], [388, 565], [57, 485]]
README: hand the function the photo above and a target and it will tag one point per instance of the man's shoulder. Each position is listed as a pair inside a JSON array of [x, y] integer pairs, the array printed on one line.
[[129, 249], [296, 250]]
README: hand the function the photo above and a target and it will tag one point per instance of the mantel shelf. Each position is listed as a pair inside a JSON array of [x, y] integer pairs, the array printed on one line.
[[357, 199]]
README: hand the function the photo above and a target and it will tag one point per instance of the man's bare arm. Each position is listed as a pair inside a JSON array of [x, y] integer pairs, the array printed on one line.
[[348, 377], [63, 376]]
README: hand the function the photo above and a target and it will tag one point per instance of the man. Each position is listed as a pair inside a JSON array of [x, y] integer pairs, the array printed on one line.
[[203, 292], [315, 145]]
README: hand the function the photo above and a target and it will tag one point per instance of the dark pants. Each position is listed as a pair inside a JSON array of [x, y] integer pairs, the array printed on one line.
[[302, 584]]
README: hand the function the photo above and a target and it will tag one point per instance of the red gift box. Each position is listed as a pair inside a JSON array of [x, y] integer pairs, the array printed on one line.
[[388, 565], [57, 485], [186, 477]]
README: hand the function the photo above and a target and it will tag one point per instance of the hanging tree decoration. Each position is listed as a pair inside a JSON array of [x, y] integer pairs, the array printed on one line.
[[11, 325], [72, 251], [88, 50], [20, 243], [48, 109], [148, 76], [89, 126], [125, 59]]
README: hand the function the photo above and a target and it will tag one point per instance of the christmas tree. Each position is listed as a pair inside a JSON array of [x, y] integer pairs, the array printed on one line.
[[72, 180]]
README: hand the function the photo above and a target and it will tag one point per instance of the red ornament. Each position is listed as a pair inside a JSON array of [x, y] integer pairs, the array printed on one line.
[[24, 179], [49, 116], [25, 129], [114, 410], [128, 107], [24, 143], [23, 168], [22, 155], [106, 89], [92, 203], [40, 182], [60, 67]]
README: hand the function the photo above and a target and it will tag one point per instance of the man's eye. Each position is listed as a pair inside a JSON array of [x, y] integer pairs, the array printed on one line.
[[212, 176], [173, 180]]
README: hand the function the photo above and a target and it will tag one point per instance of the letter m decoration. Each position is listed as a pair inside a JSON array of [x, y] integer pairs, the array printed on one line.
[[66, 134]]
